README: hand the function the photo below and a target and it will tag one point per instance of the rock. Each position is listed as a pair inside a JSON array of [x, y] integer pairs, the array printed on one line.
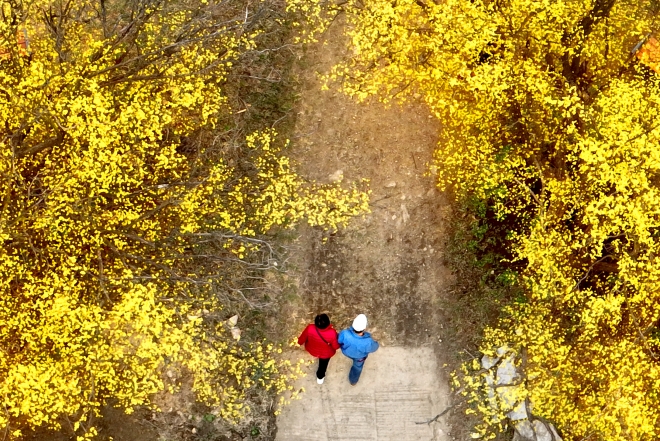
[[519, 412], [509, 397], [506, 371], [492, 396], [487, 361], [536, 430], [337, 176], [233, 320], [236, 333], [404, 213], [542, 431], [553, 430], [391, 184], [503, 394], [525, 431]]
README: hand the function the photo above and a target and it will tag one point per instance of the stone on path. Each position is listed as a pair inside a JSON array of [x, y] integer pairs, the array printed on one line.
[[399, 387]]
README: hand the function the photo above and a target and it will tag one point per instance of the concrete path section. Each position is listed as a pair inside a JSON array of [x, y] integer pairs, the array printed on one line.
[[399, 387]]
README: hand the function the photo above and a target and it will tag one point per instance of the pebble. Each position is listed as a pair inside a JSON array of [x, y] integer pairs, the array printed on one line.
[[337, 176]]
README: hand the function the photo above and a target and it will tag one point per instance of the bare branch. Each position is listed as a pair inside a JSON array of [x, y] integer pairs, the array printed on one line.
[[49, 143]]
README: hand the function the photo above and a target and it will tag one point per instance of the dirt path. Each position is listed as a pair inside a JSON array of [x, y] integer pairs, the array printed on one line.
[[388, 265], [399, 388]]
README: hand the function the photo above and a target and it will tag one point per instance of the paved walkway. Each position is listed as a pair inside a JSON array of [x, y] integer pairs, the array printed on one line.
[[398, 388]]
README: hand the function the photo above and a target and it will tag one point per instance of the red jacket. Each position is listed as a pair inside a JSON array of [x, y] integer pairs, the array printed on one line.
[[315, 345]]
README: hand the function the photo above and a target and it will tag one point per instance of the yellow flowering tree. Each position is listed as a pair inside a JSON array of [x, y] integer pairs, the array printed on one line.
[[114, 184], [548, 114]]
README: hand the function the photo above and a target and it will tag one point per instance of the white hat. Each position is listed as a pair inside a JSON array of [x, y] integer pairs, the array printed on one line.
[[360, 323]]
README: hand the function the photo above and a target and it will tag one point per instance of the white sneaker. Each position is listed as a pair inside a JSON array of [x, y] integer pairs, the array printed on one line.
[[320, 380]]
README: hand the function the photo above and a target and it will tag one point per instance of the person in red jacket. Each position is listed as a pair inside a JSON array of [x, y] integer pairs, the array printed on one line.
[[320, 340]]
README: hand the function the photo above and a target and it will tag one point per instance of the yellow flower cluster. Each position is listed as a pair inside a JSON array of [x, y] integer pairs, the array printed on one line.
[[101, 200], [547, 115], [310, 18]]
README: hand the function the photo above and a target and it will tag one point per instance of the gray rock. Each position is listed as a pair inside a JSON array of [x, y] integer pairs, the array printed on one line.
[[508, 399], [525, 431], [506, 371], [554, 433], [519, 412], [502, 393], [542, 431], [490, 380], [404, 214], [337, 176], [488, 362], [536, 430]]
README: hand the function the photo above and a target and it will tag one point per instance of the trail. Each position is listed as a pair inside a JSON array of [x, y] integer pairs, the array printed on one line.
[[398, 389], [389, 265]]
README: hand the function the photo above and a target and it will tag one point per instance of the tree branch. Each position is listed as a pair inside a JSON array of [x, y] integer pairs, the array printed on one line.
[[49, 143]]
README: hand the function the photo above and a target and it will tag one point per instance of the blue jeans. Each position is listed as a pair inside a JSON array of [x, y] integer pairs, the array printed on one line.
[[356, 370]]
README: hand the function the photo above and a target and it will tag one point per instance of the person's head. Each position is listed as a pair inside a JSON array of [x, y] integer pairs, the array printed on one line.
[[322, 321], [360, 323]]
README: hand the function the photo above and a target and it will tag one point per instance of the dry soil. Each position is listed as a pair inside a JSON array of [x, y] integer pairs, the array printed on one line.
[[389, 265]]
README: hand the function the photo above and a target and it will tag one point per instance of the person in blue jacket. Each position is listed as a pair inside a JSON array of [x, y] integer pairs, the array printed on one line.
[[357, 344]]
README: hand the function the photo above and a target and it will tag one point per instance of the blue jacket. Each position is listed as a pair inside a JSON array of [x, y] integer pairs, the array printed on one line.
[[355, 346]]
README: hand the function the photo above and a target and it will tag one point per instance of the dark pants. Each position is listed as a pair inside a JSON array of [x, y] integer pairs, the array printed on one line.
[[356, 370], [323, 365]]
